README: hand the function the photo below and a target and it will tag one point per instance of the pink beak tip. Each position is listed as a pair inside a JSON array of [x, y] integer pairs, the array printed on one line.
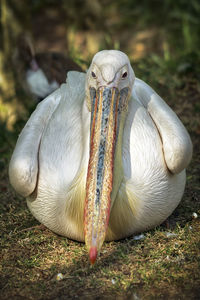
[[93, 254]]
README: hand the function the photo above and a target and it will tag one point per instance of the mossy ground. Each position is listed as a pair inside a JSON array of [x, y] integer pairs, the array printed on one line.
[[156, 267]]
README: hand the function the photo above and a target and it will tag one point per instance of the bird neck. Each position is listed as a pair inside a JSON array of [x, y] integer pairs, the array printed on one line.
[[33, 64]]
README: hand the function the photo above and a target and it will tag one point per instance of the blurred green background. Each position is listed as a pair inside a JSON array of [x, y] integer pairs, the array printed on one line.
[[159, 37]]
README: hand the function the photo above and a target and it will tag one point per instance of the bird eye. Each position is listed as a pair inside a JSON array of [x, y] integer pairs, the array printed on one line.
[[93, 75], [124, 75]]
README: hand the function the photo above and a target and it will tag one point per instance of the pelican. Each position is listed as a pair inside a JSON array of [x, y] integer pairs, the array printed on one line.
[[40, 72], [103, 157]]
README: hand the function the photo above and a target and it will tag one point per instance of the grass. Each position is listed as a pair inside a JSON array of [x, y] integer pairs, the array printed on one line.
[[156, 267]]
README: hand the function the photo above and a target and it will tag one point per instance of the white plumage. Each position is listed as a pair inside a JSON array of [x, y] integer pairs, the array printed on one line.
[[50, 162]]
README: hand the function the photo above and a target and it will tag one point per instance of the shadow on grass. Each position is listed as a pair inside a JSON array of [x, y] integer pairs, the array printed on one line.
[[32, 258]]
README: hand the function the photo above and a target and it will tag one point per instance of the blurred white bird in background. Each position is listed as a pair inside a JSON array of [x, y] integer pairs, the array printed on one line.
[[41, 72]]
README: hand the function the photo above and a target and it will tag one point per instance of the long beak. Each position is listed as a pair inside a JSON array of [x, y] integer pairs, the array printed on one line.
[[106, 103]]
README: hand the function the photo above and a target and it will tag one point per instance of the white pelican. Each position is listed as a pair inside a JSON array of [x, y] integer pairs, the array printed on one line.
[[103, 157], [42, 72]]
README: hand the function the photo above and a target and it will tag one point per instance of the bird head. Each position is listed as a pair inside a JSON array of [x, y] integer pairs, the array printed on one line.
[[109, 83], [109, 69]]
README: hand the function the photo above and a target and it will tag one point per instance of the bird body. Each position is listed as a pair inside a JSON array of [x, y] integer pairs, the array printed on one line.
[[38, 83], [41, 73], [54, 162]]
